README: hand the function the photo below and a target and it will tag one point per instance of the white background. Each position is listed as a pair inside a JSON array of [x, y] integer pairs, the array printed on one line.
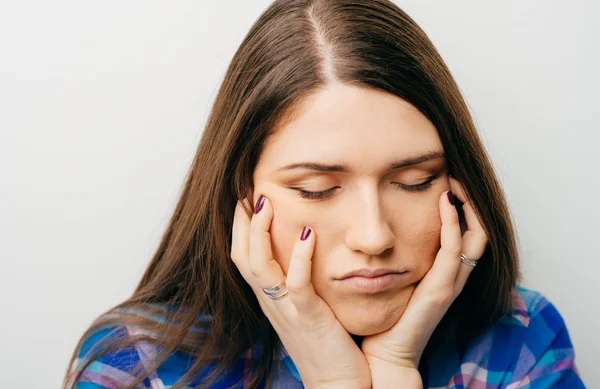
[[102, 105]]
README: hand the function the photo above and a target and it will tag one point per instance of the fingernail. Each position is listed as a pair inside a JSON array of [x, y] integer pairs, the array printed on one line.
[[450, 197], [259, 204], [305, 233]]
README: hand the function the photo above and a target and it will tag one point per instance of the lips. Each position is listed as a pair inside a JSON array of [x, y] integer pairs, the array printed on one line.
[[370, 273], [372, 284]]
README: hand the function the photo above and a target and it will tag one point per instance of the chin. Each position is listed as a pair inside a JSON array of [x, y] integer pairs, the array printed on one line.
[[369, 317]]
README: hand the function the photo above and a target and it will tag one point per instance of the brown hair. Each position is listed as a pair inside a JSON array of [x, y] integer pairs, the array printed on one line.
[[295, 48]]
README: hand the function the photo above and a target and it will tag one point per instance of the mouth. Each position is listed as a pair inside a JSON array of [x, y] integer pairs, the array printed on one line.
[[373, 283], [371, 273]]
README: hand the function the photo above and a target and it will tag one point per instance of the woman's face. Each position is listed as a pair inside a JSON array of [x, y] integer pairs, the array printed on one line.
[[368, 216]]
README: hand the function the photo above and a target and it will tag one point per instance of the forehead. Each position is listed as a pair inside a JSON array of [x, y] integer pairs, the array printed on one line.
[[360, 127]]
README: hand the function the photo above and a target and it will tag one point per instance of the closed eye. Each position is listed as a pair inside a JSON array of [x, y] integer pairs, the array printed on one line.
[[414, 188], [409, 188]]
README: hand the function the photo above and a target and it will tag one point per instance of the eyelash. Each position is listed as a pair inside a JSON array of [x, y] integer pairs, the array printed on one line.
[[409, 188]]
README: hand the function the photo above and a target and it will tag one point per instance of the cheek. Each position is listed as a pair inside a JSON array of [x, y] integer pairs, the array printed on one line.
[[422, 237]]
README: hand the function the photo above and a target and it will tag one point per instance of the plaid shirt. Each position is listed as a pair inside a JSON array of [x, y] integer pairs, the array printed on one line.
[[529, 349]]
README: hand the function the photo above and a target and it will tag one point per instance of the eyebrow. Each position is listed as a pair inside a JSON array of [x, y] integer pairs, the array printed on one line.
[[411, 161]]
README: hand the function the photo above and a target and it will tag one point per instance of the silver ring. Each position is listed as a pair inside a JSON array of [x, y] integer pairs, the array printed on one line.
[[467, 261], [278, 291], [276, 288], [279, 296]]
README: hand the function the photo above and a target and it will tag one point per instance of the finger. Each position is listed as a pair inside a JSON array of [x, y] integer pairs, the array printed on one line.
[[445, 267], [239, 234], [239, 241], [302, 293], [263, 267], [473, 224], [474, 240], [463, 275], [473, 250]]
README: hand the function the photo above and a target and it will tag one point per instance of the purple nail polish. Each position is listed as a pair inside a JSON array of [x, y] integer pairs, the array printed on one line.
[[259, 204], [450, 197], [305, 233]]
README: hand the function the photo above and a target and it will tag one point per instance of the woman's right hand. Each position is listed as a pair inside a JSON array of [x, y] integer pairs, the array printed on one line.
[[322, 350]]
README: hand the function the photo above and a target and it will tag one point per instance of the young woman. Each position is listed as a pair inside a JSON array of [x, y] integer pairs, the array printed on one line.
[[341, 227]]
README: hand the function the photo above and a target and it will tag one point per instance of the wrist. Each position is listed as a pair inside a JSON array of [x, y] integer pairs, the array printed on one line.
[[363, 382], [386, 375], [339, 386]]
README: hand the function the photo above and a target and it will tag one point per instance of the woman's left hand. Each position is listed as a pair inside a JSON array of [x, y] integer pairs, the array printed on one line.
[[403, 344]]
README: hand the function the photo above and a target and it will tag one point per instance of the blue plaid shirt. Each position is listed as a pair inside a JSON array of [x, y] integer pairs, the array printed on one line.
[[529, 349]]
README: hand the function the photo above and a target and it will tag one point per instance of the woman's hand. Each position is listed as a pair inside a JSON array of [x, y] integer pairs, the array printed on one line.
[[322, 350], [403, 344]]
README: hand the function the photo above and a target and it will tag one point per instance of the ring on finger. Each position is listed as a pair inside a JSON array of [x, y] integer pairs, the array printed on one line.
[[467, 261], [279, 296], [278, 291]]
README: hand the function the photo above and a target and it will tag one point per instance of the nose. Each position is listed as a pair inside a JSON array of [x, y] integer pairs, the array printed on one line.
[[370, 230]]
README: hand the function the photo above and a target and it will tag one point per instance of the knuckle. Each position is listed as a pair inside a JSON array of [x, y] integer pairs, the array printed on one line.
[[452, 250], [293, 286], [453, 220], [255, 226], [484, 241], [485, 237], [256, 274], [234, 258], [255, 270]]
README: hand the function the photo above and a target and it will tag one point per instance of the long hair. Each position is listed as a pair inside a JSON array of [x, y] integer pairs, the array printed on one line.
[[295, 48]]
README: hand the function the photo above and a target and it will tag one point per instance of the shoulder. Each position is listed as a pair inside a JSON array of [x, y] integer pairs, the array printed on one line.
[[530, 348], [534, 329], [531, 309], [113, 367], [113, 356]]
